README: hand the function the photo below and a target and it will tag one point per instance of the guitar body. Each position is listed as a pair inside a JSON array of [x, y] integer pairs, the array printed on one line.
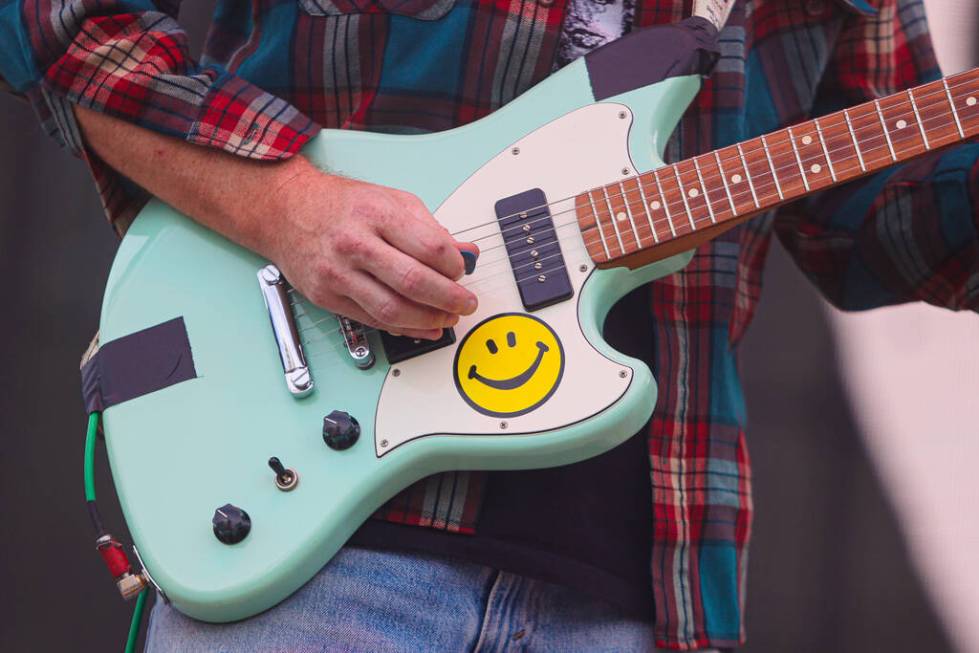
[[179, 453]]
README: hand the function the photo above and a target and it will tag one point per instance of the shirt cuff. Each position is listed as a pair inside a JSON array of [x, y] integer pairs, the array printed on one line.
[[158, 88]]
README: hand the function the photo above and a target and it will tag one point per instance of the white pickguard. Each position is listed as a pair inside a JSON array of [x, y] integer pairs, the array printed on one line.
[[584, 149]]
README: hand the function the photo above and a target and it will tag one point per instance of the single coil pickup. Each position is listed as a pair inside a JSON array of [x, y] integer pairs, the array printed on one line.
[[533, 249]]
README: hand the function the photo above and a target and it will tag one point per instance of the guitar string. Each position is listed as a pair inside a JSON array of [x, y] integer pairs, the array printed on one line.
[[879, 136], [877, 144], [939, 94], [871, 153], [712, 177], [866, 150]]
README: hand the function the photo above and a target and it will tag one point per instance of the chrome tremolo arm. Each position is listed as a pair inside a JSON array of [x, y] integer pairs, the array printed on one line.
[[275, 292]]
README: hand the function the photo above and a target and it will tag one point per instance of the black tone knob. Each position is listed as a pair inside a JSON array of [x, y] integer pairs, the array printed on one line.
[[231, 524], [340, 430]]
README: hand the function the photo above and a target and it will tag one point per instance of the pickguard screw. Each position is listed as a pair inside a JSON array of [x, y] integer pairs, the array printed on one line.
[[625, 171], [515, 151], [396, 372], [503, 425], [622, 115], [583, 268], [384, 443], [623, 374]]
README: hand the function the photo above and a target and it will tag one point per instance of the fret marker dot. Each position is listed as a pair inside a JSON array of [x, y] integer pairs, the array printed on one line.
[[693, 192], [971, 101], [807, 140], [620, 216], [901, 124], [654, 205], [816, 167], [735, 179]]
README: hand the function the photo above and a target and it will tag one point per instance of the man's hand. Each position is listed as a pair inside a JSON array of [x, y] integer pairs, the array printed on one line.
[[373, 254]]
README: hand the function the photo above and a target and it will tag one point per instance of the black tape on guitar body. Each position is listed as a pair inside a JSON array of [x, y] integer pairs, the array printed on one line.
[[138, 364]]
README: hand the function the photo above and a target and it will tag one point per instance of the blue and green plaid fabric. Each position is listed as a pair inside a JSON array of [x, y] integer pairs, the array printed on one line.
[[275, 70]]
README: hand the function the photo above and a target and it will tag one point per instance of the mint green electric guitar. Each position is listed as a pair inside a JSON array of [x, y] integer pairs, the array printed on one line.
[[219, 366]]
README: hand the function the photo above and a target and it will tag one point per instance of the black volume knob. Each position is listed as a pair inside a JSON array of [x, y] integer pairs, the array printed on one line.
[[231, 524], [340, 430]]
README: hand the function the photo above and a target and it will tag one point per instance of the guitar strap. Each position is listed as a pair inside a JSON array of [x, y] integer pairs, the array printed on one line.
[[137, 364]]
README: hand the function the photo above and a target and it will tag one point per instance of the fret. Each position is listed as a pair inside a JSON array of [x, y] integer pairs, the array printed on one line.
[[727, 189], [747, 175], [771, 166], [615, 223], [635, 204], [921, 127], [683, 196], [806, 141], [736, 176], [822, 141], [951, 103], [966, 92], [871, 137], [700, 176], [666, 203], [840, 143], [883, 126], [645, 207], [898, 117], [798, 160], [598, 223], [853, 137], [628, 212]]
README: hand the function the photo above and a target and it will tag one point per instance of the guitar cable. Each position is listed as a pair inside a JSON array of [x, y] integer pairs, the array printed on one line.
[[113, 555]]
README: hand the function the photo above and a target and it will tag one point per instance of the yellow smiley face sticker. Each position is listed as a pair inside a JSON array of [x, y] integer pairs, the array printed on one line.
[[508, 365]]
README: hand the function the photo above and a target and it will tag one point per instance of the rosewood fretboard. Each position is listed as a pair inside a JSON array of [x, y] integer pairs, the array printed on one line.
[[645, 218]]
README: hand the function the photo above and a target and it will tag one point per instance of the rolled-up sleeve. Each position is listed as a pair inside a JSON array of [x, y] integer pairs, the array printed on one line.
[[130, 59], [910, 232]]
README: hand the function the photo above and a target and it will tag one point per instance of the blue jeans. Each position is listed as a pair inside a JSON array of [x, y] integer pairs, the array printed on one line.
[[367, 601]]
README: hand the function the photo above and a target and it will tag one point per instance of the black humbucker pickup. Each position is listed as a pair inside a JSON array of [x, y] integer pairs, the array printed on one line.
[[532, 246], [400, 348]]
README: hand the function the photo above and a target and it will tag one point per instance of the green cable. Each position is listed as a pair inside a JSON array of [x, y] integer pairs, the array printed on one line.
[[90, 436], [134, 624], [93, 427]]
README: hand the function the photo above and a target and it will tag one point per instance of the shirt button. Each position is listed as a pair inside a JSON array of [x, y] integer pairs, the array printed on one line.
[[545, 3], [815, 7]]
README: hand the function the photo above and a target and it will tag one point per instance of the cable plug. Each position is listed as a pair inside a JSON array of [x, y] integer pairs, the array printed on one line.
[[129, 583]]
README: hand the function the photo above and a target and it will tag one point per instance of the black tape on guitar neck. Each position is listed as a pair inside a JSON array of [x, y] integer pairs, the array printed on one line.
[[138, 364]]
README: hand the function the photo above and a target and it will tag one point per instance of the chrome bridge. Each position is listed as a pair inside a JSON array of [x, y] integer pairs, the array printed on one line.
[[275, 291]]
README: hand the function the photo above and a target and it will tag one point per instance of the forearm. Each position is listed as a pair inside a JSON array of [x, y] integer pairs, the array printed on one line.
[[236, 197], [372, 253]]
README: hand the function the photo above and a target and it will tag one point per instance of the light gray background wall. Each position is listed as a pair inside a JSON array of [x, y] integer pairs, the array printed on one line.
[[828, 569]]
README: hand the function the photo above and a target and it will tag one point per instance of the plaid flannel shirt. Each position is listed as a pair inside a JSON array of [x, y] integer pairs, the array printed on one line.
[[275, 70]]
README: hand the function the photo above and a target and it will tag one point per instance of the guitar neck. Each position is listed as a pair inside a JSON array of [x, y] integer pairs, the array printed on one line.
[[674, 208]]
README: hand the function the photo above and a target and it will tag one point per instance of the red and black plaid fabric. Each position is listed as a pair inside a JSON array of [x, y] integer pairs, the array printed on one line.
[[274, 71]]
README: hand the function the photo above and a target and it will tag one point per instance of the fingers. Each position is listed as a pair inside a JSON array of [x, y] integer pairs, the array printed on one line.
[[420, 283], [349, 308], [393, 311], [420, 236]]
